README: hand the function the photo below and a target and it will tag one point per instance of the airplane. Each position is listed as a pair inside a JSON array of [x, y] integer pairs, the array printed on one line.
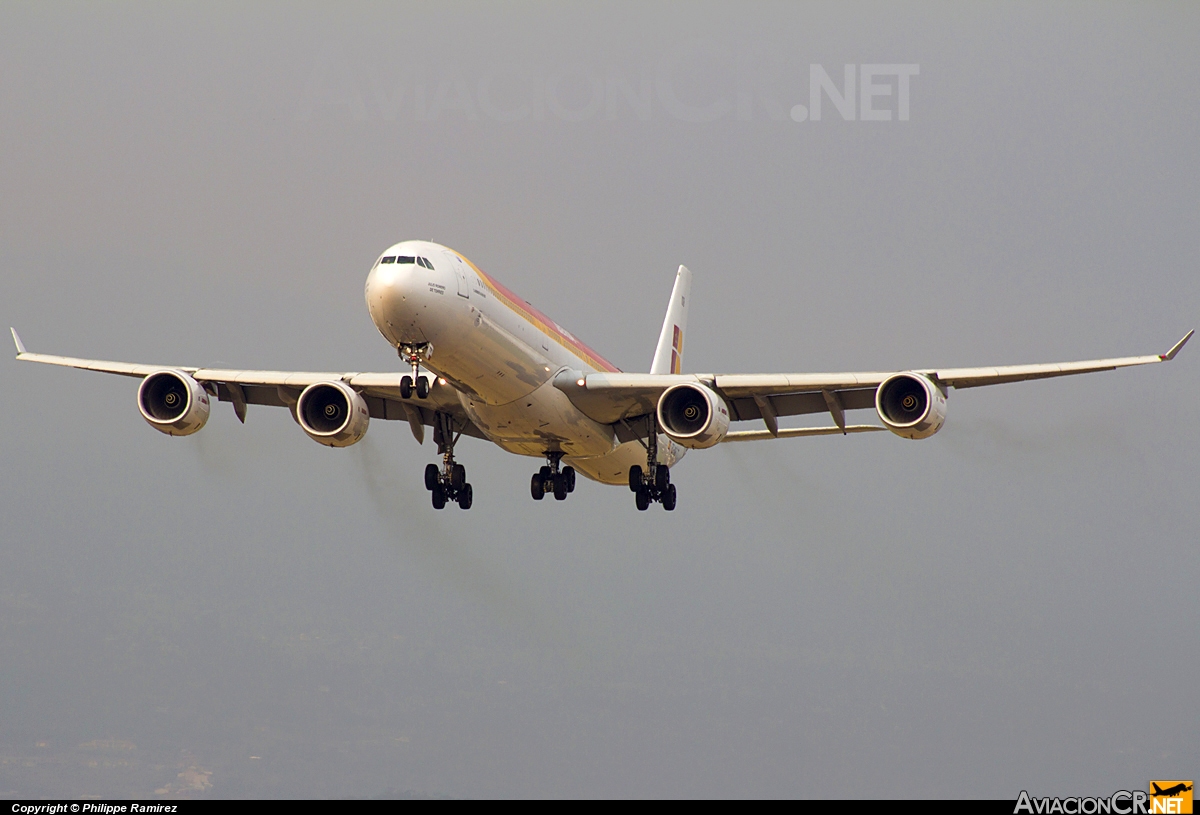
[[486, 364], [1170, 792]]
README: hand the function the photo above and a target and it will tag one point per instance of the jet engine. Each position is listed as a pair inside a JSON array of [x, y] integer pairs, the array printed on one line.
[[173, 403], [693, 415], [333, 414], [910, 405]]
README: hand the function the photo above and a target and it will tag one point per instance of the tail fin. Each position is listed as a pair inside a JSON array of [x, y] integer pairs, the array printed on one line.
[[1157, 788], [668, 356]]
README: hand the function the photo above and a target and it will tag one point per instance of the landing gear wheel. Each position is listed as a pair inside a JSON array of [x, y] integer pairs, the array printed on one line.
[[635, 478], [668, 498], [643, 499], [447, 483], [422, 387], [550, 478], [662, 478], [406, 387]]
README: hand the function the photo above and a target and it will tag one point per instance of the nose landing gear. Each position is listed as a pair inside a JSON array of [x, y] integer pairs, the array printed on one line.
[[415, 383], [552, 479], [448, 482]]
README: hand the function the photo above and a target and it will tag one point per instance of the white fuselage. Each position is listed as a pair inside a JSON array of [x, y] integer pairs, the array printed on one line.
[[501, 355]]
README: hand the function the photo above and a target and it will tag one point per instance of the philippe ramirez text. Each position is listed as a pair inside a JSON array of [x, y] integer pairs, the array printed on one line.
[[101, 809]]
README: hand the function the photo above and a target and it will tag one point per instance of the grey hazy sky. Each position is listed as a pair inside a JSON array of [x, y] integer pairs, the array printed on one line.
[[1009, 605]]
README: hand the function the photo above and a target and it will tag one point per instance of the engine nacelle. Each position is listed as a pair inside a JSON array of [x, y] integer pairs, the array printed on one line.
[[333, 414], [173, 403], [910, 405], [693, 415]]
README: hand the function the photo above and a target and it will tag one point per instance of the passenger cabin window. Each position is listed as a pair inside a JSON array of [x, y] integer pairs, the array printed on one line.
[[388, 259], [404, 259]]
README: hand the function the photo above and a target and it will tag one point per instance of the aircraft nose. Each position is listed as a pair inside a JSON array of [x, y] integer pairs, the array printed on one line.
[[390, 289]]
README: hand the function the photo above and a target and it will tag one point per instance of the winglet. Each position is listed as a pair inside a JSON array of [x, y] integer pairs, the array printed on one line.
[[17, 340], [1167, 357]]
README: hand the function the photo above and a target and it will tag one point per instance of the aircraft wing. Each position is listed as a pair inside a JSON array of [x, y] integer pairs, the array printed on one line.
[[381, 391], [619, 398]]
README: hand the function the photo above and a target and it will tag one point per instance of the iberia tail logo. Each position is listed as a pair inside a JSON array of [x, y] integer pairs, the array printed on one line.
[[1170, 797], [677, 351]]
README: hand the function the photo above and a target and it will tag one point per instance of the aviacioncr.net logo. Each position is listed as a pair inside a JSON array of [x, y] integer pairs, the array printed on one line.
[[1163, 798]]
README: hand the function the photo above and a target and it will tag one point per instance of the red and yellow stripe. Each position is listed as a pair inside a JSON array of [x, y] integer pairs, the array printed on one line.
[[541, 321], [677, 351]]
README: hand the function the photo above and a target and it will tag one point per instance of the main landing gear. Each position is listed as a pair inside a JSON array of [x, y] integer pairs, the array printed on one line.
[[654, 482], [550, 478], [416, 383], [653, 486], [449, 482]]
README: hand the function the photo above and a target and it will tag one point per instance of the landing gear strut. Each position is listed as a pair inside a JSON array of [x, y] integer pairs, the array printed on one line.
[[654, 482], [415, 383], [448, 482], [552, 479]]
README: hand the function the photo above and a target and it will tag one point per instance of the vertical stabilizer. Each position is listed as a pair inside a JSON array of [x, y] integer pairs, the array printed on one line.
[[668, 356]]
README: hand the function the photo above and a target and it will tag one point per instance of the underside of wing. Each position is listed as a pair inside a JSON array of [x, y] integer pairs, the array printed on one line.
[[622, 398], [382, 394], [380, 391], [800, 432], [959, 378]]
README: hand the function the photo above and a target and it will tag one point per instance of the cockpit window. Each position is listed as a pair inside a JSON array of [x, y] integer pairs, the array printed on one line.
[[405, 259], [428, 263], [388, 259], [423, 262]]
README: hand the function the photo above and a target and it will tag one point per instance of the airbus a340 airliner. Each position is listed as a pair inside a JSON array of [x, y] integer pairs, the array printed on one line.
[[485, 363]]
